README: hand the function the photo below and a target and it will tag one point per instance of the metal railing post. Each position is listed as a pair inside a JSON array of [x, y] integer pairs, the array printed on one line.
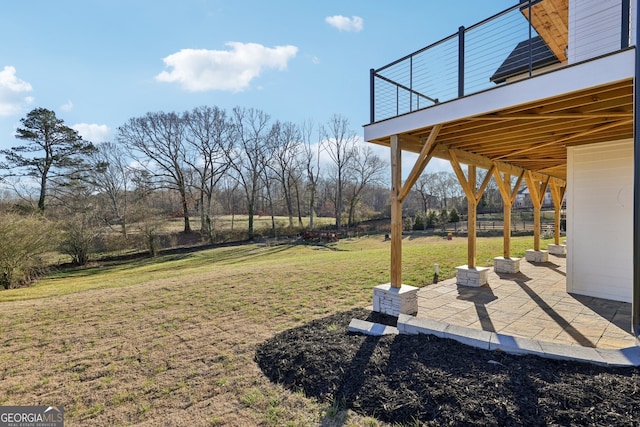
[[372, 95], [635, 299], [411, 84], [624, 28], [530, 42], [460, 62]]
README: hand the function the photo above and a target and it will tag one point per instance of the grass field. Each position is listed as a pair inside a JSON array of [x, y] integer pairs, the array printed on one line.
[[171, 340]]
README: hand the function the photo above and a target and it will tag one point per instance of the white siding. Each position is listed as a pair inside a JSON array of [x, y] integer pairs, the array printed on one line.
[[594, 28], [600, 220]]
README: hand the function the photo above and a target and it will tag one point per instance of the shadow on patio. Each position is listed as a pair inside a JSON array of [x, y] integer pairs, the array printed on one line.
[[531, 304]]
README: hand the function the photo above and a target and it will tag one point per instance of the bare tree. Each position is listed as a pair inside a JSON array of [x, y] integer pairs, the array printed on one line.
[[446, 186], [425, 187], [269, 177], [367, 169], [210, 134], [286, 148], [247, 158], [339, 142], [311, 157], [111, 175], [230, 195], [156, 140]]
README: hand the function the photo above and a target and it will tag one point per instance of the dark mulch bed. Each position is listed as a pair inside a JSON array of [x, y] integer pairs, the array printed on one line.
[[406, 379]]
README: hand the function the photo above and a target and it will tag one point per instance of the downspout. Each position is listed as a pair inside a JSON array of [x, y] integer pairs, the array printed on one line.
[[635, 306]]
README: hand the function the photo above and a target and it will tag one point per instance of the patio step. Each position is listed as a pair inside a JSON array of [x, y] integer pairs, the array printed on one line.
[[486, 340]]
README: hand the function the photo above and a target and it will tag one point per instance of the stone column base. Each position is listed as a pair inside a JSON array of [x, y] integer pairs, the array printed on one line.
[[475, 277], [506, 265], [395, 301], [537, 256], [557, 249]]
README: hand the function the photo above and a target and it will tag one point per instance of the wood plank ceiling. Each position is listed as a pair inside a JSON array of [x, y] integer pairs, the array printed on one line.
[[535, 136]]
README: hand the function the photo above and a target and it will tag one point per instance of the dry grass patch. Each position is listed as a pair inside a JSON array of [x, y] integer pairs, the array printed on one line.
[[171, 341]]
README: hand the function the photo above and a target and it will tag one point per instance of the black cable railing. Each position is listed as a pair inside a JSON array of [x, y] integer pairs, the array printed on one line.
[[473, 59]]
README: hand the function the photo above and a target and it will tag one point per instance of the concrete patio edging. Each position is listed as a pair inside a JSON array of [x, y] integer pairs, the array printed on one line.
[[486, 340]]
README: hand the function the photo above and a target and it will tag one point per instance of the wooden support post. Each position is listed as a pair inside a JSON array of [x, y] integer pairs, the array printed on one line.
[[473, 197], [507, 218], [396, 213], [472, 205], [537, 190], [557, 193], [508, 198]]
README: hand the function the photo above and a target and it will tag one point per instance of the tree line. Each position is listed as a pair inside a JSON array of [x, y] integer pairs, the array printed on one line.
[[205, 162]]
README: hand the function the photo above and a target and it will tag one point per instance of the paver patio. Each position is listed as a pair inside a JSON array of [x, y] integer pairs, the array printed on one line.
[[532, 304]]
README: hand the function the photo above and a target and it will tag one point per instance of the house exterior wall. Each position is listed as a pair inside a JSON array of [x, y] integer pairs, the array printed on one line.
[[600, 220], [594, 28]]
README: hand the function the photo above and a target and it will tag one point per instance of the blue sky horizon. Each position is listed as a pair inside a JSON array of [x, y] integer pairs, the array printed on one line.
[[98, 63]]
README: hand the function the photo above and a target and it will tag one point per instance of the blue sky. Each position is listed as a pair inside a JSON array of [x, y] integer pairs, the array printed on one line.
[[97, 63]]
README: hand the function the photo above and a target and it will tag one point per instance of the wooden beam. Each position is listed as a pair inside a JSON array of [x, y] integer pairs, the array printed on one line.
[[546, 116], [594, 129], [468, 191], [484, 162], [557, 194], [514, 194], [472, 205], [485, 182], [536, 200], [423, 159], [504, 186], [396, 213], [468, 184]]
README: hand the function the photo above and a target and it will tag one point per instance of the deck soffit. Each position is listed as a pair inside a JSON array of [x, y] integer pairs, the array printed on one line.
[[534, 136]]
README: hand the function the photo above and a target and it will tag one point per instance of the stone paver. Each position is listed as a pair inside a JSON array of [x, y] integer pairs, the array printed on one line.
[[532, 304]]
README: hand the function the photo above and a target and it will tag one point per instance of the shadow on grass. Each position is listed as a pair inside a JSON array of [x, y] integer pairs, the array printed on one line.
[[237, 252], [425, 379]]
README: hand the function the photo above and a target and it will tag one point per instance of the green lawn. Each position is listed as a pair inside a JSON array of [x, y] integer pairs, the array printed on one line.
[[172, 339]]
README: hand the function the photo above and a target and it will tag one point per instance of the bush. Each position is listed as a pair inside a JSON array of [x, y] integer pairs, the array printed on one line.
[[24, 240], [454, 216], [79, 234]]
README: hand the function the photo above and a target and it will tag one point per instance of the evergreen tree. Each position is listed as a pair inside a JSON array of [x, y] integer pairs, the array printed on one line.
[[53, 150]]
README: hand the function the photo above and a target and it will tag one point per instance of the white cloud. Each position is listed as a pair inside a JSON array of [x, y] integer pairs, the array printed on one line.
[[233, 70], [343, 23], [67, 107], [93, 132], [12, 92]]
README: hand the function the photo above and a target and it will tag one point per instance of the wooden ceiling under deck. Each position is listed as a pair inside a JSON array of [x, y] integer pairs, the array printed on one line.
[[534, 136]]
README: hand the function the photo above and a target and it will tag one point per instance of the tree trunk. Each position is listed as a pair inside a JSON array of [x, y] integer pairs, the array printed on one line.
[[185, 211], [43, 192], [298, 206], [312, 202], [203, 225], [251, 220]]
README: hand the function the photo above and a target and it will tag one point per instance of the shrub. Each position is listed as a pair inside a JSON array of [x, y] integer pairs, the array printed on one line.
[[454, 216], [79, 234], [24, 240]]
